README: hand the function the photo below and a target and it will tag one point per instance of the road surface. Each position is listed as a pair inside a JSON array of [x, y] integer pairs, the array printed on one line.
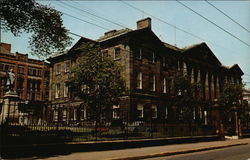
[[232, 153]]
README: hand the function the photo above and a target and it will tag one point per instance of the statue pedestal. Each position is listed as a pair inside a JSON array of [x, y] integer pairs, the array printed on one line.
[[10, 112]]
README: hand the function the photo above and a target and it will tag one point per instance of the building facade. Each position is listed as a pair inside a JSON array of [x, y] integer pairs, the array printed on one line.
[[31, 76], [149, 65]]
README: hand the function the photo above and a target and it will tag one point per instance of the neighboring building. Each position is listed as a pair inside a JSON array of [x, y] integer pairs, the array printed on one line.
[[149, 65], [31, 76], [246, 95]]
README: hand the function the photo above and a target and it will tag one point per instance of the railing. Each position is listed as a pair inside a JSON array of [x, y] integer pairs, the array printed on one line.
[[28, 128]]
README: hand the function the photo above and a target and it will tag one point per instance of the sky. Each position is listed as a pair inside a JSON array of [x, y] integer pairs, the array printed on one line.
[[169, 19]]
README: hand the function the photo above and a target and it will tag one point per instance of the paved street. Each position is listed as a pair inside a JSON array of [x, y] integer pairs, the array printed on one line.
[[243, 151], [232, 153]]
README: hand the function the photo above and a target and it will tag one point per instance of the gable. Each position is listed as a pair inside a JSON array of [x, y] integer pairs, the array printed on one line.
[[236, 69], [202, 53]]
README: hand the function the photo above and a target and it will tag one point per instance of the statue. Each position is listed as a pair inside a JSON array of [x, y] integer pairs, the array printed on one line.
[[10, 80]]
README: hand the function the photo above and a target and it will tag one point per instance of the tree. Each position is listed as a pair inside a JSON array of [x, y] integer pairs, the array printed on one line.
[[45, 24], [97, 81], [231, 95], [184, 96]]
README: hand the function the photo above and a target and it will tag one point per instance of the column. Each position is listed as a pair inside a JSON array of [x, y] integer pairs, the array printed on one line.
[[184, 68], [206, 87], [212, 88]]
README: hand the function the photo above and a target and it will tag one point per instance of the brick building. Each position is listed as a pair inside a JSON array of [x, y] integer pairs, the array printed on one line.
[[148, 65], [31, 76]]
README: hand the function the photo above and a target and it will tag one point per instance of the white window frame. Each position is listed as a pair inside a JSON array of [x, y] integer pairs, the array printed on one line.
[[67, 66], [153, 57], [58, 69], [57, 90], [84, 111], [55, 115], [154, 111], [139, 80], [75, 114], [64, 118], [153, 87], [117, 57], [140, 110], [116, 109], [140, 54], [65, 90], [164, 85], [166, 113]]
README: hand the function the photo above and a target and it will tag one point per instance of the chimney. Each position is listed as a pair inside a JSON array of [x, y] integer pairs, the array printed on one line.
[[5, 48], [144, 23]]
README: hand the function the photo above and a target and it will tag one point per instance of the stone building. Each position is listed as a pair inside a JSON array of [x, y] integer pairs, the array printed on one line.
[[31, 76], [148, 65]]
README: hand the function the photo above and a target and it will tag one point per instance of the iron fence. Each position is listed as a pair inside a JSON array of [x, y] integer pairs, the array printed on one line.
[[33, 128]]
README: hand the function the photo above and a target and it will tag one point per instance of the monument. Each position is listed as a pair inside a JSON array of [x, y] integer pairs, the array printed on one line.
[[10, 112]]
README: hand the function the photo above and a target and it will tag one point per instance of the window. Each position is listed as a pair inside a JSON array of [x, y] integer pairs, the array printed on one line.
[[6, 67], [85, 88], [1, 67], [64, 118], [194, 115], [164, 61], [83, 112], [34, 72], [67, 66], [39, 73], [152, 82], [205, 117], [116, 111], [139, 110], [55, 115], [138, 53], [75, 114], [117, 53], [65, 90], [152, 58], [30, 72], [164, 85], [139, 80], [57, 90], [166, 116], [58, 69], [21, 69], [154, 111]]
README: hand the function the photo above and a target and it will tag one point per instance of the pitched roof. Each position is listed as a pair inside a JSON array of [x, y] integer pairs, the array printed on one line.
[[203, 52]]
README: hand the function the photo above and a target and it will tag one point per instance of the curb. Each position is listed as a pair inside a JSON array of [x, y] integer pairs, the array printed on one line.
[[178, 152]]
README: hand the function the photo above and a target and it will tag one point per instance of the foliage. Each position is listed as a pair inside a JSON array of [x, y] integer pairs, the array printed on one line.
[[45, 24], [231, 94], [97, 80], [184, 96]]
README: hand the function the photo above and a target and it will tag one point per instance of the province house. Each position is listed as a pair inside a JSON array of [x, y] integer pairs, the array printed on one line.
[[148, 63]]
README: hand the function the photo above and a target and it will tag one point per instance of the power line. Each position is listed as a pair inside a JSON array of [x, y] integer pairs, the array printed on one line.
[[163, 21], [227, 16], [100, 17], [175, 27], [213, 23], [85, 21]]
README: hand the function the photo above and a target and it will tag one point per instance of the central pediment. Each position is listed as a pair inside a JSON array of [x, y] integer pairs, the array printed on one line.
[[202, 53]]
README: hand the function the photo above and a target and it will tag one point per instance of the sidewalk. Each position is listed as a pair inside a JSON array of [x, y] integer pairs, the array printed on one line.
[[148, 152]]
